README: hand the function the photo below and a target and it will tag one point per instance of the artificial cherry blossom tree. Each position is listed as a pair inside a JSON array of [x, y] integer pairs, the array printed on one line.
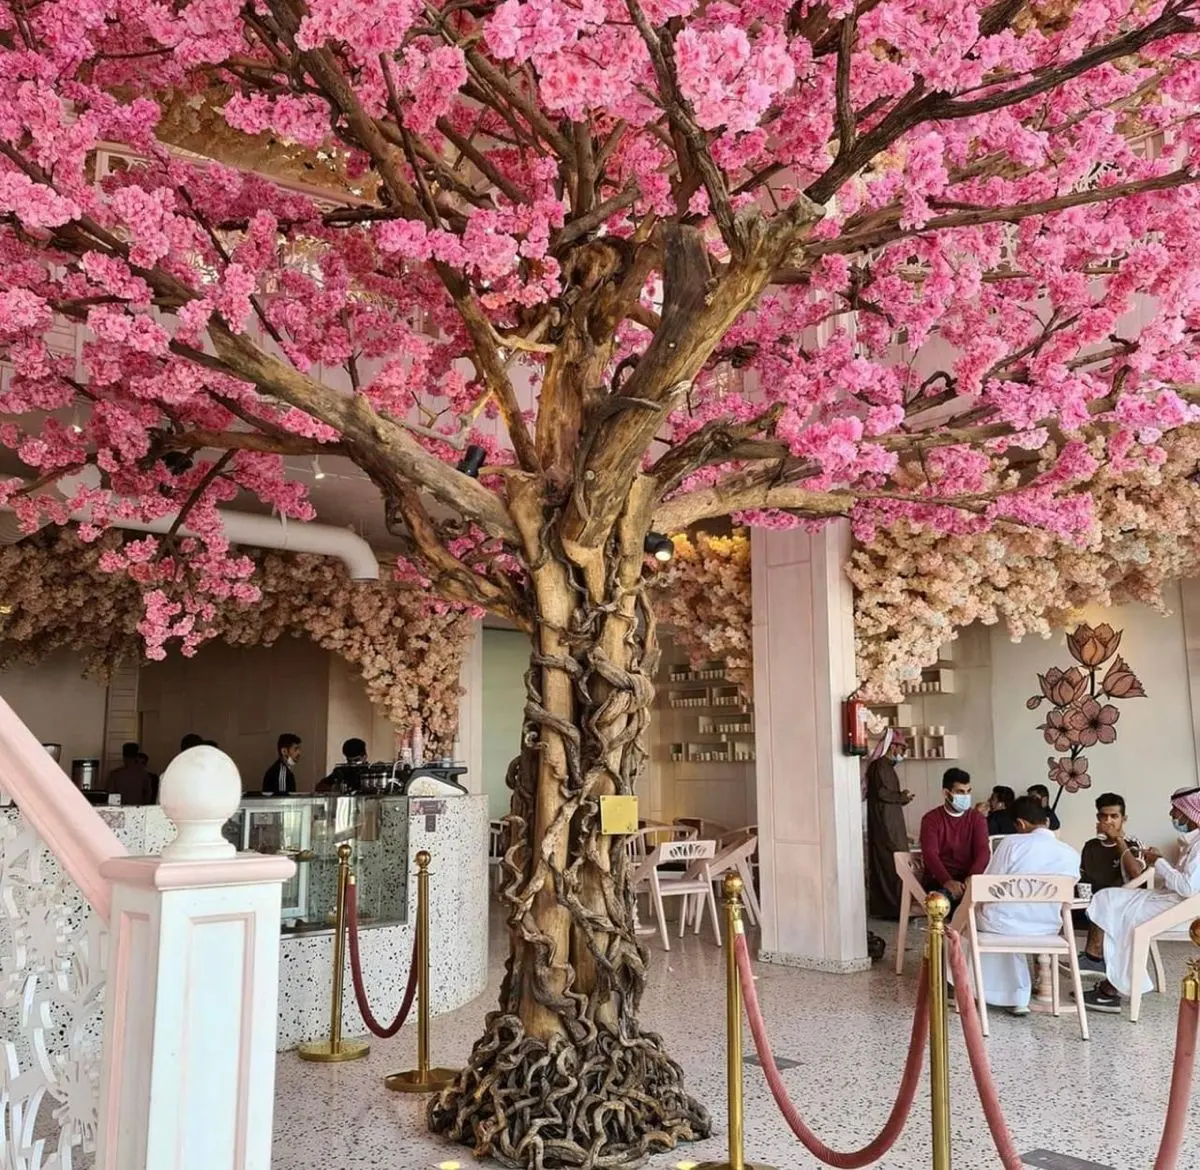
[[781, 260]]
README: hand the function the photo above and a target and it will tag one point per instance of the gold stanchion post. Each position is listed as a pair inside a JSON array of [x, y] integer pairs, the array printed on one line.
[[937, 911], [422, 1079], [732, 889], [335, 1049], [1191, 980]]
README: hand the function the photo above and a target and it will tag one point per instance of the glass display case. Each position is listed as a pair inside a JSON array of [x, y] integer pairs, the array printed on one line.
[[309, 830]]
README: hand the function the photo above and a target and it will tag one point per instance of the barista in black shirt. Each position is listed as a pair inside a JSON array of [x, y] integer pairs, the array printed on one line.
[[351, 775]]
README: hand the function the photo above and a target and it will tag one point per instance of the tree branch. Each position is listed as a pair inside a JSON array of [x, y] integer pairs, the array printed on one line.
[[280, 444]]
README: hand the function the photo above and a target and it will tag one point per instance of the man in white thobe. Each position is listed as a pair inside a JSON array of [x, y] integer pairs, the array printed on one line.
[[1033, 849], [1119, 911]]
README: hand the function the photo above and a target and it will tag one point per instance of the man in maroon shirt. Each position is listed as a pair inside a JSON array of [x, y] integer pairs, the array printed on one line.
[[954, 839]]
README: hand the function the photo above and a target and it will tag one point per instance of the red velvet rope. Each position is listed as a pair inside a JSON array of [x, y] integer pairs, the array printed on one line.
[[1181, 1085], [904, 1098], [360, 990], [989, 1098], [1181, 1073]]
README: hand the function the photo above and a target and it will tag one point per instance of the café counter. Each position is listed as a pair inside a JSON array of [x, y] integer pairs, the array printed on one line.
[[386, 834]]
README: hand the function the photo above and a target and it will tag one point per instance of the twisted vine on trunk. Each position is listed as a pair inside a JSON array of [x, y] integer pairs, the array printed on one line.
[[578, 1083]]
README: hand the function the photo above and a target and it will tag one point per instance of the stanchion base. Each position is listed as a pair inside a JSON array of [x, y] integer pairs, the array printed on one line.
[[433, 1080], [327, 1052], [731, 1166]]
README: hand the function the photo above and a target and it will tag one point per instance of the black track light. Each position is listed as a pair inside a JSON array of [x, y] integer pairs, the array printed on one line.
[[472, 460], [660, 547]]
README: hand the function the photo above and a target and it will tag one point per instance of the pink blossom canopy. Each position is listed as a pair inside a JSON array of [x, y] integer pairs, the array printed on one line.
[[930, 260]]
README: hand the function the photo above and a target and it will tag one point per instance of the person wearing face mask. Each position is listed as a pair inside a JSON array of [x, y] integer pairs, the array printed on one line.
[[1031, 849], [954, 839], [887, 833], [1118, 912]]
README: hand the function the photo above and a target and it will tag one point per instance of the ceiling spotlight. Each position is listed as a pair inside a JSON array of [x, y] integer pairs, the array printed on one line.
[[177, 462], [317, 472], [472, 460], [660, 547]]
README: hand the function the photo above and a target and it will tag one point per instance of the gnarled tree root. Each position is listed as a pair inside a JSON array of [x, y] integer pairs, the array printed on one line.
[[611, 1101]]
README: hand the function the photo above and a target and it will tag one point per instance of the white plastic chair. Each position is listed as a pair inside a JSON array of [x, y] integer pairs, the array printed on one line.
[[1024, 889], [912, 898], [677, 885], [1170, 926], [642, 843], [704, 829], [734, 856]]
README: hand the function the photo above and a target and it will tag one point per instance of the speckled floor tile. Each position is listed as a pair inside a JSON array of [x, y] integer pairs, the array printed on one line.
[[1102, 1100]]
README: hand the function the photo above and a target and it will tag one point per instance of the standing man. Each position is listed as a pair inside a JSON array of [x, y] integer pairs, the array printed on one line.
[[279, 779], [1031, 848], [348, 777], [886, 831], [131, 781], [1110, 859], [954, 838]]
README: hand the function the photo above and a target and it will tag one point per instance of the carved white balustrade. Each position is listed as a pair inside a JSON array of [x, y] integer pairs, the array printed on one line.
[[52, 954]]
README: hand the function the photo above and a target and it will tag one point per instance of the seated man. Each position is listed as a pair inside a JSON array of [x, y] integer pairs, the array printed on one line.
[[1043, 794], [1033, 849], [1118, 912], [1000, 820], [1110, 859], [954, 838]]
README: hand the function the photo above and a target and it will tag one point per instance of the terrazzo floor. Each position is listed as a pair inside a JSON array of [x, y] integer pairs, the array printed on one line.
[[1101, 1101]]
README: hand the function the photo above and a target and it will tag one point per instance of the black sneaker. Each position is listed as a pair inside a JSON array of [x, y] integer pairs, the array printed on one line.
[[1096, 1001], [1087, 965]]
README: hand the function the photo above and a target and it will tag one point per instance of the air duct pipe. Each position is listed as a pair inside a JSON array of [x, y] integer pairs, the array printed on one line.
[[241, 528], [253, 531]]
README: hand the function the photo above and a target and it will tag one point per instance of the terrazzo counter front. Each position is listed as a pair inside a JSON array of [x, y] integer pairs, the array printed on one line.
[[454, 830]]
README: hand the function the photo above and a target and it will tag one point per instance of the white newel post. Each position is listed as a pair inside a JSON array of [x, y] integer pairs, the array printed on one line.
[[191, 1004]]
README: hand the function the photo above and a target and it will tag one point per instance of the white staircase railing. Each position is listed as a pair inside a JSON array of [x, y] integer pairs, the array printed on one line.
[[168, 1062]]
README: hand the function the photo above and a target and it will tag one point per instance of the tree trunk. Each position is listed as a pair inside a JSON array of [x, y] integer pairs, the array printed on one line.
[[564, 1075]]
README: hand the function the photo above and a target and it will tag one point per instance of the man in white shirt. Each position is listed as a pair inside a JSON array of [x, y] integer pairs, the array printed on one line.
[[1119, 912], [1033, 849]]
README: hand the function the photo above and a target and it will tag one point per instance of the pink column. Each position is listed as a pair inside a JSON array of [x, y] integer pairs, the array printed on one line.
[[809, 802]]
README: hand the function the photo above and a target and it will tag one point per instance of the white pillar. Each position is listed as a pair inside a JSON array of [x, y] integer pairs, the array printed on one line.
[[809, 796], [191, 1004]]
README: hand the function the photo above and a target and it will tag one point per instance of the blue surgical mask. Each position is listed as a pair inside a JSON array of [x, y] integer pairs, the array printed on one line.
[[1181, 826], [961, 801]]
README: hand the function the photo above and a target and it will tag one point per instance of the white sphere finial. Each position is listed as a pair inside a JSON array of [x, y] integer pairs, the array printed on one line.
[[200, 790]]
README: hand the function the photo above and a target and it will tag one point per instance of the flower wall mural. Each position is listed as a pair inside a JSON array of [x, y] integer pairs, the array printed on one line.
[[408, 654], [1081, 714]]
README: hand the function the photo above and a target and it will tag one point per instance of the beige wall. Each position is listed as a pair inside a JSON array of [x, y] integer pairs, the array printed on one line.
[[720, 792], [966, 714], [1154, 752], [58, 706], [505, 658], [352, 715], [242, 697]]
